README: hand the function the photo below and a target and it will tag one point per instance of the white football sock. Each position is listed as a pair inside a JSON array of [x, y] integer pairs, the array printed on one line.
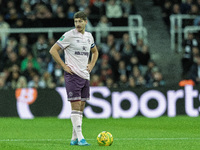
[[76, 122], [81, 117], [74, 136]]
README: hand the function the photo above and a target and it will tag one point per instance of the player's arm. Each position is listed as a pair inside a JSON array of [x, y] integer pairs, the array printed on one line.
[[94, 58], [54, 53]]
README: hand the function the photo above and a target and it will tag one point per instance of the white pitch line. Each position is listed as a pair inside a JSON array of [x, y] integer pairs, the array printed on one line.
[[121, 139]]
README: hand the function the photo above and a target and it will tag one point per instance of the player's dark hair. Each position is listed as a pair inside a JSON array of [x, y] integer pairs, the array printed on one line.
[[80, 14]]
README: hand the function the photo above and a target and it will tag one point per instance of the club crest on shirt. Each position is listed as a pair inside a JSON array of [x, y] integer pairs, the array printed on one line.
[[89, 41], [84, 48], [70, 94], [62, 37]]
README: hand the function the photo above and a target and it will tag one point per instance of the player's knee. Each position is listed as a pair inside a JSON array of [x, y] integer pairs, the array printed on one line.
[[76, 105]]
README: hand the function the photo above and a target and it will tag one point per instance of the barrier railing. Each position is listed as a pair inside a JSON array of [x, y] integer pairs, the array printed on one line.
[[190, 29], [135, 29], [177, 28]]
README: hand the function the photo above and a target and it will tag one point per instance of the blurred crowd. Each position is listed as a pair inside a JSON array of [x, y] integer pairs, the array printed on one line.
[[175, 7], [25, 60], [191, 44]]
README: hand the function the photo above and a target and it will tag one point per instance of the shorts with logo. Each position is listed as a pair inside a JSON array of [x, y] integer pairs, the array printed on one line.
[[77, 88]]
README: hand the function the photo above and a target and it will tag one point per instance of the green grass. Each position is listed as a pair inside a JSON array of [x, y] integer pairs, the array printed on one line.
[[139, 133]]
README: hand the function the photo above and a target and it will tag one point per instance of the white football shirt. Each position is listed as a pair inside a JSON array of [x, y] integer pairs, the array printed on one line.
[[77, 47]]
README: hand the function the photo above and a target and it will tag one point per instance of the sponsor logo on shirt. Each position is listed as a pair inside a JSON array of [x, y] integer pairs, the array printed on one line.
[[62, 37], [82, 53]]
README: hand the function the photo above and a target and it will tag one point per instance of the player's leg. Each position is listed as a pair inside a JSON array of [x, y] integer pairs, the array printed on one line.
[[73, 94], [76, 117], [81, 110], [84, 97], [74, 85]]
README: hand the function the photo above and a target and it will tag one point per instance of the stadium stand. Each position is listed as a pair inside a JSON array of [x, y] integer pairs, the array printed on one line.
[[25, 61]]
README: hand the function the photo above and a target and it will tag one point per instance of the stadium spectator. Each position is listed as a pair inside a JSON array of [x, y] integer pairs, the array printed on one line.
[[19, 23], [35, 2], [110, 83], [126, 40], [131, 82], [198, 3], [194, 72], [105, 69], [40, 48], [143, 55], [114, 62], [35, 82], [166, 12], [11, 4], [70, 12], [139, 79], [122, 68], [104, 24], [12, 43], [89, 25], [158, 79], [186, 6], [59, 12], [29, 71], [128, 8], [61, 82], [139, 44], [97, 8], [3, 26], [12, 59], [195, 51], [12, 15], [110, 44], [53, 6], [82, 4], [3, 8], [197, 21], [30, 62], [176, 9], [42, 12], [194, 10], [127, 52], [23, 42], [48, 80], [28, 13], [22, 53], [13, 78], [92, 2], [57, 73], [95, 80], [21, 82], [187, 58], [133, 61], [68, 3], [151, 66], [4, 57], [123, 81], [2, 83], [113, 9], [127, 49]]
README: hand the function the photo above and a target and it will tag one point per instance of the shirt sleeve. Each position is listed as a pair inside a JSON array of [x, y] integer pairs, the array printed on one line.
[[93, 44], [64, 40]]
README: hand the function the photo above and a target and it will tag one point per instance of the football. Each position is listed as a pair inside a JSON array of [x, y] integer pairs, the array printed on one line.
[[105, 138]]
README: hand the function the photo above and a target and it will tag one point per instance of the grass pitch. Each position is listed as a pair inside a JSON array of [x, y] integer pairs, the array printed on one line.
[[139, 133]]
